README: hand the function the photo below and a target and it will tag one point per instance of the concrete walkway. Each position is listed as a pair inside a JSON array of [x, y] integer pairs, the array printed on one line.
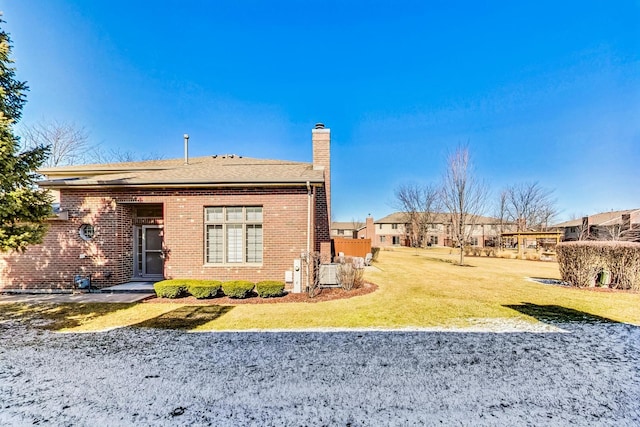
[[124, 293], [79, 298], [131, 287]]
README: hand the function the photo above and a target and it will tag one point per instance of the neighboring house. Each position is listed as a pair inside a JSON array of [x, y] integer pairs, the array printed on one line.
[[388, 231], [222, 217], [395, 230], [346, 230], [614, 225]]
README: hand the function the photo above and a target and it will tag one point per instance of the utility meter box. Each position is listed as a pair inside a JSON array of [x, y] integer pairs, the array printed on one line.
[[288, 276]]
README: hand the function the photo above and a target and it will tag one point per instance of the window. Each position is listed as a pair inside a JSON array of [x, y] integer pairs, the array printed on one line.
[[396, 240], [383, 239], [380, 226], [340, 232], [86, 231], [394, 226], [233, 235]]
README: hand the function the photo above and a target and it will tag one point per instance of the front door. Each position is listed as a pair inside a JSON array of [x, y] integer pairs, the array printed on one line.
[[149, 254]]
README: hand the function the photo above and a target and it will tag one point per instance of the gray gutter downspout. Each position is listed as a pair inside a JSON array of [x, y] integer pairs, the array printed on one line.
[[308, 232]]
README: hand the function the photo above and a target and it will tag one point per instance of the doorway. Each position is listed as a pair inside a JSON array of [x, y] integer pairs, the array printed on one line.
[[149, 254]]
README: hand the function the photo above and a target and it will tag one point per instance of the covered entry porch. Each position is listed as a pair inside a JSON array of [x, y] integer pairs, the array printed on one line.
[[148, 248]]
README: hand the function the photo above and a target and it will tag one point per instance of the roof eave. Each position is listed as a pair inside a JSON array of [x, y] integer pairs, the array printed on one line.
[[94, 185]]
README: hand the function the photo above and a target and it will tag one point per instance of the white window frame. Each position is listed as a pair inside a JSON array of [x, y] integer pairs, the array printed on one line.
[[240, 235], [87, 232]]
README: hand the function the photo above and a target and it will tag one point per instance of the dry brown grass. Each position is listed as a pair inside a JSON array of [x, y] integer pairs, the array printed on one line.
[[417, 288]]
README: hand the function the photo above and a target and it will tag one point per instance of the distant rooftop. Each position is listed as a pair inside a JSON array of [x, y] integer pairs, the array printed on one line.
[[604, 218], [438, 218]]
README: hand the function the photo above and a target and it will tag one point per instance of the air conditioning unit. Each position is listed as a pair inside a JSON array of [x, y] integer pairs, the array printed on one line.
[[328, 275]]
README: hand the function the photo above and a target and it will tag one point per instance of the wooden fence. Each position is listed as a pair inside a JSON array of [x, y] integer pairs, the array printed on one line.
[[351, 247]]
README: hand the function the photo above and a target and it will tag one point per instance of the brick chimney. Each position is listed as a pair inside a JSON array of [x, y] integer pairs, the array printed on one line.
[[370, 230], [626, 222], [586, 228], [321, 138]]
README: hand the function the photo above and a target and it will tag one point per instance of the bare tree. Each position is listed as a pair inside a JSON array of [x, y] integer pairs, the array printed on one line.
[[356, 224], [502, 214], [116, 155], [547, 214], [463, 195], [420, 203], [584, 229], [530, 206], [68, 143], [613, 232]]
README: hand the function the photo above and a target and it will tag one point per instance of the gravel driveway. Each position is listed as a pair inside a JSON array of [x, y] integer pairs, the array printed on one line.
[[589, 375]]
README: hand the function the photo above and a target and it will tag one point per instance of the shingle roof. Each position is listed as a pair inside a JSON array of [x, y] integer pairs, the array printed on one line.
[[201, 171], [337, 225], [438, 218], [394, 218], [604, 218]]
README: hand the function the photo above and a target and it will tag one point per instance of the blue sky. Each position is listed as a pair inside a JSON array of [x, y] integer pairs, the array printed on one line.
[[542, 91]]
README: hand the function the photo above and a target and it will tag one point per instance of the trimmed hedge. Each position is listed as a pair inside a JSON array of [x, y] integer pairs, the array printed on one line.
[[237, 288], [204, 288], [269, 289], [582, 262], [176, 288], [170, 288]]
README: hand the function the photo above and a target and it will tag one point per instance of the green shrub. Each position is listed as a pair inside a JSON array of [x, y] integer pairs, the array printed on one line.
[[204, 288], [269, 288], [237, 288], [170, 288], [581, 263]]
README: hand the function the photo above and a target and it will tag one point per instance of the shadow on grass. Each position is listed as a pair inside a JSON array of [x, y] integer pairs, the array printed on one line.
[[185, 318], [554, 314], [54, 317], [548, 281], [446, 261]]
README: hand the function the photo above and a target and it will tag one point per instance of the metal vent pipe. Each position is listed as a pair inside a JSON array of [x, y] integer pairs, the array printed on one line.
[[186, 148]]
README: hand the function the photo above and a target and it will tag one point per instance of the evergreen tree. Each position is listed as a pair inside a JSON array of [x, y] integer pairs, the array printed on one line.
[[23, 206]]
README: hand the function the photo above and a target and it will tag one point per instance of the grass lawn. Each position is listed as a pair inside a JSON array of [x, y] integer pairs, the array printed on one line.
[[417, 288]]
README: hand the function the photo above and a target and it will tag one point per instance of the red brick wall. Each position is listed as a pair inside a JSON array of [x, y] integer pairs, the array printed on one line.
[[321, 139], [321, 219], [63, 253], [109, 255]]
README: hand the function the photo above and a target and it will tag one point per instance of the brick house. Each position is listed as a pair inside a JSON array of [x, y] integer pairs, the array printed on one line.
[[395, 230], [222, 217], [613, 225], [346, 230]]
